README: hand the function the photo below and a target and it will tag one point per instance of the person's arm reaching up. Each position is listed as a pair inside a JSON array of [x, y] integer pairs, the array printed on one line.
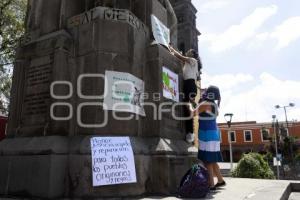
[[179, 55], [202, 107]]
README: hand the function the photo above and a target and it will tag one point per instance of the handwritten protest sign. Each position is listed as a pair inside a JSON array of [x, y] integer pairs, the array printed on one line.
[[112, 161], [161, 33]]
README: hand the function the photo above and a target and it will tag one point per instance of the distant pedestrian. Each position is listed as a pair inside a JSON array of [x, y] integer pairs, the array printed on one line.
[[190, 74], [209, 134]]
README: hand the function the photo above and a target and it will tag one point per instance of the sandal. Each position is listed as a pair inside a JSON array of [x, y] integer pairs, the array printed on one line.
[[220, 184], [213, 188]]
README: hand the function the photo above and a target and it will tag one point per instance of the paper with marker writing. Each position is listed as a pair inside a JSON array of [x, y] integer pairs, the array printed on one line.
[[112, 161]]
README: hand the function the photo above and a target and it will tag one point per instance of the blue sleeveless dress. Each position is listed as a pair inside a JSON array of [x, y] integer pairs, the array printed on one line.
[[209, 139]]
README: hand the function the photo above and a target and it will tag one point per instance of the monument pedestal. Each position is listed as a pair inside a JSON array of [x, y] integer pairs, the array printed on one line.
[[57, 167]]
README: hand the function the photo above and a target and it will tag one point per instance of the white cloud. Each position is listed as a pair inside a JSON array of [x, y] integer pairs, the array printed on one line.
[[284, 34], [257, 103], [226, 81], [236, 34], [287, 32], [262, 36], [258, 41]]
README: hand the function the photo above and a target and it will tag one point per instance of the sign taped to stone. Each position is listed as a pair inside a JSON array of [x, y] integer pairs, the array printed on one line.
[[106, 14], [170, 85], [112, 161], [124, 93], [161, 33]]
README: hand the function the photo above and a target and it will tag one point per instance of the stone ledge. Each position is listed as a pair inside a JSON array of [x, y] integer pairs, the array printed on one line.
[[81, 145], [34, 146], [141, 146]]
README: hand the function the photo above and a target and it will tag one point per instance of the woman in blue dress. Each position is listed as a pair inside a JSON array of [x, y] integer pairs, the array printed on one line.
[[209, 134]]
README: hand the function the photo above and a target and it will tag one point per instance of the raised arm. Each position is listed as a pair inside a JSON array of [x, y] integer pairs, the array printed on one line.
[[179, 55], [202, 107]]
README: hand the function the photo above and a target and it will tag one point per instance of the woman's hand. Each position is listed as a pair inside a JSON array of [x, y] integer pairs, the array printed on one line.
[[202, 107], [179, 55], [192, 110], [172, 50]]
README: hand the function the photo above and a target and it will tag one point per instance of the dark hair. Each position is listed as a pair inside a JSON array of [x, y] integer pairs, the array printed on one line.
[[195, 53], [212, 93]]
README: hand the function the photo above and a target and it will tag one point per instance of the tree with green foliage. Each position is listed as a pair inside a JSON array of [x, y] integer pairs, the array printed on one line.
[[268, 157], [297, 158], [253, 165], [12, 15], [289, 148]]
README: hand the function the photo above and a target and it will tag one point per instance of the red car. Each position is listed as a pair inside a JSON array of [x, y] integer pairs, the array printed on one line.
[[3, 122]]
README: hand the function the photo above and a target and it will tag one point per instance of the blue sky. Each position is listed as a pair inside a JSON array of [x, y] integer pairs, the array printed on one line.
[[251, 50]]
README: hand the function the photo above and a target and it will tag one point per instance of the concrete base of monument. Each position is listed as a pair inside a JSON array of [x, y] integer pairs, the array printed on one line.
[[60, 167]]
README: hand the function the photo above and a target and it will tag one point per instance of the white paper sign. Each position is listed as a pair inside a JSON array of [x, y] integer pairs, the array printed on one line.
[[124, 93], [170, 85], [161, 33], [276, 162], [112, 161]]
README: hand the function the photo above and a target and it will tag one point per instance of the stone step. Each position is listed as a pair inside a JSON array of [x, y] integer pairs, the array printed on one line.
[[225, 172]]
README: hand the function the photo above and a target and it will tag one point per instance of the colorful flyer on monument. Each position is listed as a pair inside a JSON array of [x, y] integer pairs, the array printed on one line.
[[112, 161], [170, 84], [161, 33]]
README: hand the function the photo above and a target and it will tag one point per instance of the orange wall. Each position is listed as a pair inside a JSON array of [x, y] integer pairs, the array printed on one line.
[[294, 130], [256, 137]]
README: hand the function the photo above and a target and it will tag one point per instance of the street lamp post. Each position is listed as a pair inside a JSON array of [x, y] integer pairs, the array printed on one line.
[[286, 119], [276, 148], [287, 125], [228, 118]]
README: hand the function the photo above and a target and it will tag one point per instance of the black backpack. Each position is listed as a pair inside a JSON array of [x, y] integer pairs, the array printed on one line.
[[194, 184]]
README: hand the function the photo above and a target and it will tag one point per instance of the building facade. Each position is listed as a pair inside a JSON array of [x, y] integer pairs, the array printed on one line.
[[252, 137]]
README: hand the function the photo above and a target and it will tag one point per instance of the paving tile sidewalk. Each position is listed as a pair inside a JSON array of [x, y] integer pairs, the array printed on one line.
[[236, 189], [246, 189]]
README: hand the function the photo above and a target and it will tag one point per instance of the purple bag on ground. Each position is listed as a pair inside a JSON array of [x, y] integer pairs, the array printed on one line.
[[194, 183]]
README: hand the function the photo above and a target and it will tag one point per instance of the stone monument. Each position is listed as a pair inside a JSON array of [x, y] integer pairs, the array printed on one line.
[[71, 43], [186, 15]]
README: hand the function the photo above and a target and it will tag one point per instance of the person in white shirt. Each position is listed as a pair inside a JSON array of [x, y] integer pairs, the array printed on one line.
[[190, 74]]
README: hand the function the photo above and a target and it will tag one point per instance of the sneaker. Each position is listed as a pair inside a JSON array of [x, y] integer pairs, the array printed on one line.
[[190, 137], [220, 184]]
